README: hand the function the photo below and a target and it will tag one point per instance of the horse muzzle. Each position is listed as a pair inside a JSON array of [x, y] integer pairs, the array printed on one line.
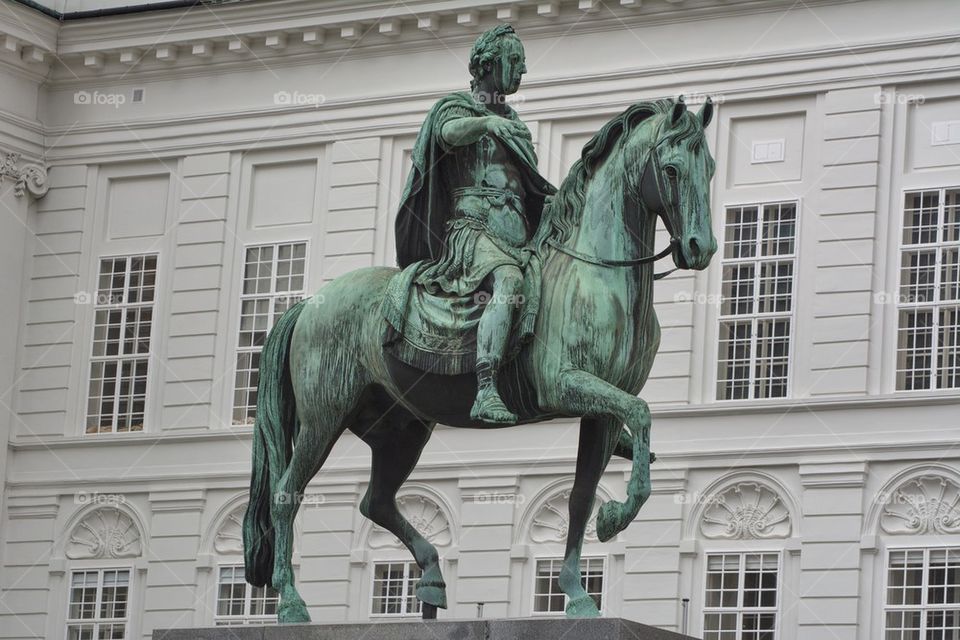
[[694, 252]]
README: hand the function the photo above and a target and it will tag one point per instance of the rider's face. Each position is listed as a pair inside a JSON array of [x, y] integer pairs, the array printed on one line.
[[511, 66]]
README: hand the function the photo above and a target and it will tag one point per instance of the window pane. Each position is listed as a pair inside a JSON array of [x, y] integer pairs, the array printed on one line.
[[733, 379], [548, 597], [390, 588], [920, 217], [741, 596], [756, 283], [740, 237], [123, 319], [915, 349], [273, 281]]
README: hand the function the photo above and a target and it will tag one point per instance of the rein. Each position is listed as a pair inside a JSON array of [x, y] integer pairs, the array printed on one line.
[[603, 262], [634, 262]]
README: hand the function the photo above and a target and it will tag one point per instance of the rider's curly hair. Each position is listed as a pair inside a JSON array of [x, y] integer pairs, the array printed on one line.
[[486, 49]]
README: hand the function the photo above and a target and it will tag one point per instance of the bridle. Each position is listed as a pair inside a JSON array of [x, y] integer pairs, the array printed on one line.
[[654, 159]]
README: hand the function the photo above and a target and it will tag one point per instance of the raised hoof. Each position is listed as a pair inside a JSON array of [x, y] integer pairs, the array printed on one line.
[[488, 407], [608, 521], [582, 607], [434, 595], [295, 613]]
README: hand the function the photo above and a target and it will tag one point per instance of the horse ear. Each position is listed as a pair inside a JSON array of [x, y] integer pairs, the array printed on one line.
[[706, 112], [678, 109]]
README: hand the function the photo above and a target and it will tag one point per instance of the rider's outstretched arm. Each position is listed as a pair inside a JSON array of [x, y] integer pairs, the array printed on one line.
[[468, 129], [463, 131]]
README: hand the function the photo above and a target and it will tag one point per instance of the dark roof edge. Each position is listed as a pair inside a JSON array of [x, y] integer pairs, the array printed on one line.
[[112, 11]]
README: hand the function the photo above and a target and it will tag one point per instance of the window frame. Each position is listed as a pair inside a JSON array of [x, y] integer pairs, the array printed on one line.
[[245, 619], [900, 305], [88, 357], [718, 316], [100, 569], [533, 582], [885, 568], [739, 609], [407, 562], [235, 348]]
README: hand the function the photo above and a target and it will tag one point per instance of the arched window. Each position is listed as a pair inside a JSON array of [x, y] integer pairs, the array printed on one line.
[[743, 528], [103, 569], [915, 522]]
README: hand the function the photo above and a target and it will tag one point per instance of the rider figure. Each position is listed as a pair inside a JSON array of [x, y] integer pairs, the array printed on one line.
[[473, 201]]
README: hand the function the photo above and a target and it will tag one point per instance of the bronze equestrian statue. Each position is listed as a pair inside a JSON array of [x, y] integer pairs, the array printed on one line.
[[515, 303]]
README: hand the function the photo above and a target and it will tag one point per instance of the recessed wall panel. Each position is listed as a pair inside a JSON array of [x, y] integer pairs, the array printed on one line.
[[283, 193], [137, 206], [765, 149], [932, 134]]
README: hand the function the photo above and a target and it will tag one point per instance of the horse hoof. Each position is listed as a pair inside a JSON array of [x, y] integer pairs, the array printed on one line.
[[293, 614], [582, 607], [435, 595], [607, 521]]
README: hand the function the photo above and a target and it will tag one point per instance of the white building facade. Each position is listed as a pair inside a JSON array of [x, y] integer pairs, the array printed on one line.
[[172, 178]]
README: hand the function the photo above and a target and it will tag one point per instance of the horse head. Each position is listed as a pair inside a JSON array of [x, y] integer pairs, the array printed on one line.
[[674, 182]]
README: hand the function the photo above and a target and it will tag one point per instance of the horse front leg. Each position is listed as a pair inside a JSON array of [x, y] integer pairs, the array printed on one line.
[[582, 393], [598, 437]]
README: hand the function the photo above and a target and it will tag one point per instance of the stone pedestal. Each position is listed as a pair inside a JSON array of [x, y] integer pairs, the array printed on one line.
[[505, 629]]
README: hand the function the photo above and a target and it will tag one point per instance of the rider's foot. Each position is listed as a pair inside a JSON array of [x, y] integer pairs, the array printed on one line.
[[488, 407]]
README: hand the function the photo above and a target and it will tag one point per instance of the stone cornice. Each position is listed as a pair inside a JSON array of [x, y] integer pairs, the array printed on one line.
[[268, 31], [793, 72], [28, 39]]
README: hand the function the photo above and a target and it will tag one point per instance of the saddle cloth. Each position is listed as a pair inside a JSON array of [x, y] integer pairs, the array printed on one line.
[[437, 333]]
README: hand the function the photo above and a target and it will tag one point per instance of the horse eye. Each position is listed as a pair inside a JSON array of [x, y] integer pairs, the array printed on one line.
[[671, 171]]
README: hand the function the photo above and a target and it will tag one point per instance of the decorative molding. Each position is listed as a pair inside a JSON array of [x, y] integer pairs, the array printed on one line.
[[33, 507], [926, 504], [178, 500], [745, 510], [26, 177], [551, 520], [424, 514], [106, 532], [833, 475], [229, 537]]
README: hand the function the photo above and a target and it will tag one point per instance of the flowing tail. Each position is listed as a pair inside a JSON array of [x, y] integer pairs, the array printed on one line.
[[274, 432]]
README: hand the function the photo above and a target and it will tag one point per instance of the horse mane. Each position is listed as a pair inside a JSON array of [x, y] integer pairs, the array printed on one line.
[[562, 212]]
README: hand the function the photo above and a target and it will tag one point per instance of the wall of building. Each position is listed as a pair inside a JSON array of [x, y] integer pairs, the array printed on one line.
[[249, 131]]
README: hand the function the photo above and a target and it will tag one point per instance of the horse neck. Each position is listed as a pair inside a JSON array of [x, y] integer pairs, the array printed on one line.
[[612, 225]]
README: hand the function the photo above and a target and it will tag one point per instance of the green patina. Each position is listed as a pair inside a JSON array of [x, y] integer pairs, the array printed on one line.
[[516, 304]]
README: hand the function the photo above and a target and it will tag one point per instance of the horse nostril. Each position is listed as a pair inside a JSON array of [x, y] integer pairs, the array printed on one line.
[[694, 247]]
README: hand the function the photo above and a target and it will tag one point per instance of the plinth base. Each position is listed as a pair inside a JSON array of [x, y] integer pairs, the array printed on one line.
[[505, 629]]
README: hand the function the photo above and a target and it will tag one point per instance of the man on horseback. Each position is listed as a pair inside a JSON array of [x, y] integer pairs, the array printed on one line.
[[472, 202]]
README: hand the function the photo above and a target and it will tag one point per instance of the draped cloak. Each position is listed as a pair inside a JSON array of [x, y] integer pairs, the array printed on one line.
[[434, 328], [426, 205]]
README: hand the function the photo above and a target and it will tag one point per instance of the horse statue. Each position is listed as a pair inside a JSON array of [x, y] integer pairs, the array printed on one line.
[[324, 368]]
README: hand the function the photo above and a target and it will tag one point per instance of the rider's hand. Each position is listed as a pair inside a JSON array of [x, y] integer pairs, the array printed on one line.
[[506, 129]]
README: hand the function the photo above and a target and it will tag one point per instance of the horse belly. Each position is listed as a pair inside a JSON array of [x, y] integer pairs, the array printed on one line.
[[447, 399]]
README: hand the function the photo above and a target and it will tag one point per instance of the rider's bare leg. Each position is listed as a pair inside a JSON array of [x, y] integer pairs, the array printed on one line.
[[493, 333]]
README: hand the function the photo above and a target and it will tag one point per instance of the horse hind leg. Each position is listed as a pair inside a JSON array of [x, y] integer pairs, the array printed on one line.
[[598, 438], [313, 444], [396, 445]]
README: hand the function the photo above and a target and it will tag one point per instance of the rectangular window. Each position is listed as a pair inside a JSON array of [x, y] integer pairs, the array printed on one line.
[[241, 603], [393, 589], [123, 320], [923, 594], [741, 596], [756, 308], [98, 604], [928, 301], [547, 595], [273, 281]]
